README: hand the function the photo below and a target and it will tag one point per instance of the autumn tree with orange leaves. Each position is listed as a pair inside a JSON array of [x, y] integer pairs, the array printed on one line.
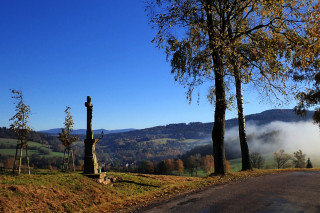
[[306, 66], [179, 166], [226, 43]]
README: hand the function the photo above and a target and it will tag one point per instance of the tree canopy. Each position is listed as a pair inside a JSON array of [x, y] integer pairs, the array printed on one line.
[[306, 64], [65, 136], [204, 39], [20, 119]]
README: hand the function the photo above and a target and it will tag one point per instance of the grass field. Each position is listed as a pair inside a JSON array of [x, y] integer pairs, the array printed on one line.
[[33, 148], [47, 191], [235, 164]]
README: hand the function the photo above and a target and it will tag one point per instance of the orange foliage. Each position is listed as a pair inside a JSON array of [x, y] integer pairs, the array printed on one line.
[[8, 164], [228, 166]]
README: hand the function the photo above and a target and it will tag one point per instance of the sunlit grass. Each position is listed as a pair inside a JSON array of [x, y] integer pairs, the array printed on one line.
[[45, 190]]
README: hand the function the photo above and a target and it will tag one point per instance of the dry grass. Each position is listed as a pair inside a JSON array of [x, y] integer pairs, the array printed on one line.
[[59, 192]]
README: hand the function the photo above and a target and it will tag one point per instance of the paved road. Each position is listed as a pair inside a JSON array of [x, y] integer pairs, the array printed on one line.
[[286, 192]]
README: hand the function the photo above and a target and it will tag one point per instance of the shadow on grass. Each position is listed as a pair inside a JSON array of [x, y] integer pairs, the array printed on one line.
[[140, 184]]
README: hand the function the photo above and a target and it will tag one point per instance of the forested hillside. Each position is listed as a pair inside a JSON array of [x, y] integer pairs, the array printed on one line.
[[161, 142], [169, 141]]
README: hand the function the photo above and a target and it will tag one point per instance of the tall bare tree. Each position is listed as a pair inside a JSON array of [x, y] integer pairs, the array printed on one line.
[[203, 37], [21, 128]]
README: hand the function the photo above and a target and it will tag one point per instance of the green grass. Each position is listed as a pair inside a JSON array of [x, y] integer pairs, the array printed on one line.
[[12, 152], [56, 154], [31, 146], [7, 141], [235, 164]]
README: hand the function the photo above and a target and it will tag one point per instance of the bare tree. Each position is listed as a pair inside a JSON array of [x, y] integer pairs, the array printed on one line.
[[282, 159], [257, 161], [21, 128]]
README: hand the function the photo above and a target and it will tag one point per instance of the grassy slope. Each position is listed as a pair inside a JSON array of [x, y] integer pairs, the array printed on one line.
[[31, 144], [46, 191], [235, 164]]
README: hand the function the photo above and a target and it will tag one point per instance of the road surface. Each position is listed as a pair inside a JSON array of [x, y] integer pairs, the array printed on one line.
[[285, 192]]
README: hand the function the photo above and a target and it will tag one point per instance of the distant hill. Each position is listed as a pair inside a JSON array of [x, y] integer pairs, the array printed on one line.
[[160, 142], [83, 131]]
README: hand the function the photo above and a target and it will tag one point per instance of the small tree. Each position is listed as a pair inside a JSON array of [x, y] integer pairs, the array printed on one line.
[[179, 166], [257, 161], [299, 159], [20, 127], [282, 159], [170, 165], [309, 164], [67, 139], [191, 164], [208, 164]]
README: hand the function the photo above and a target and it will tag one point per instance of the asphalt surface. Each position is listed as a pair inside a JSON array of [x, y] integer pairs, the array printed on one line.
[[285, 192]]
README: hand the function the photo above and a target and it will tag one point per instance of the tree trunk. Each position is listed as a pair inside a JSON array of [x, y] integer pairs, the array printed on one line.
[[220, 104], [219, 125], [246, 163]]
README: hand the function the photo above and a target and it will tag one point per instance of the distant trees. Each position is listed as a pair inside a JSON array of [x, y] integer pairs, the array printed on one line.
[[179, 166], [299, 159], [170, 165], [257, 161], [146, 167], [20, 127], [162, 168], [282, 159], [193, 164]]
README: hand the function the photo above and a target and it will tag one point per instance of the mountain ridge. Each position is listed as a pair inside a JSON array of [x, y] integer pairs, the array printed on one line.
[[56, 131]]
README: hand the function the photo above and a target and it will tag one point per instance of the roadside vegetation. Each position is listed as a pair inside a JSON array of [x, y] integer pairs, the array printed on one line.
[[52, 191]]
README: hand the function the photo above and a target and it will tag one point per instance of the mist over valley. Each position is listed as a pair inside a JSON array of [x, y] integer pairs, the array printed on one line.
[[267, 132]]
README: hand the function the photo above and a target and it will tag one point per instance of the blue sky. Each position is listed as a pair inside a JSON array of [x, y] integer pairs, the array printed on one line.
[[58, 52]]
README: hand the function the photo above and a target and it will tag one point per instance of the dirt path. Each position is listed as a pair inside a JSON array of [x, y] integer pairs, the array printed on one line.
[[285, 192]]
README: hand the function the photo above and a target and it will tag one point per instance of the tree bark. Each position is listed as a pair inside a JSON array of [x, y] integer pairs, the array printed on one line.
[[219, 125], [220, 104], [246, 163]]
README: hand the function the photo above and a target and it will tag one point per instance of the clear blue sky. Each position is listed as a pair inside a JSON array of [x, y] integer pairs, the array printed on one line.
[[58, 52]]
